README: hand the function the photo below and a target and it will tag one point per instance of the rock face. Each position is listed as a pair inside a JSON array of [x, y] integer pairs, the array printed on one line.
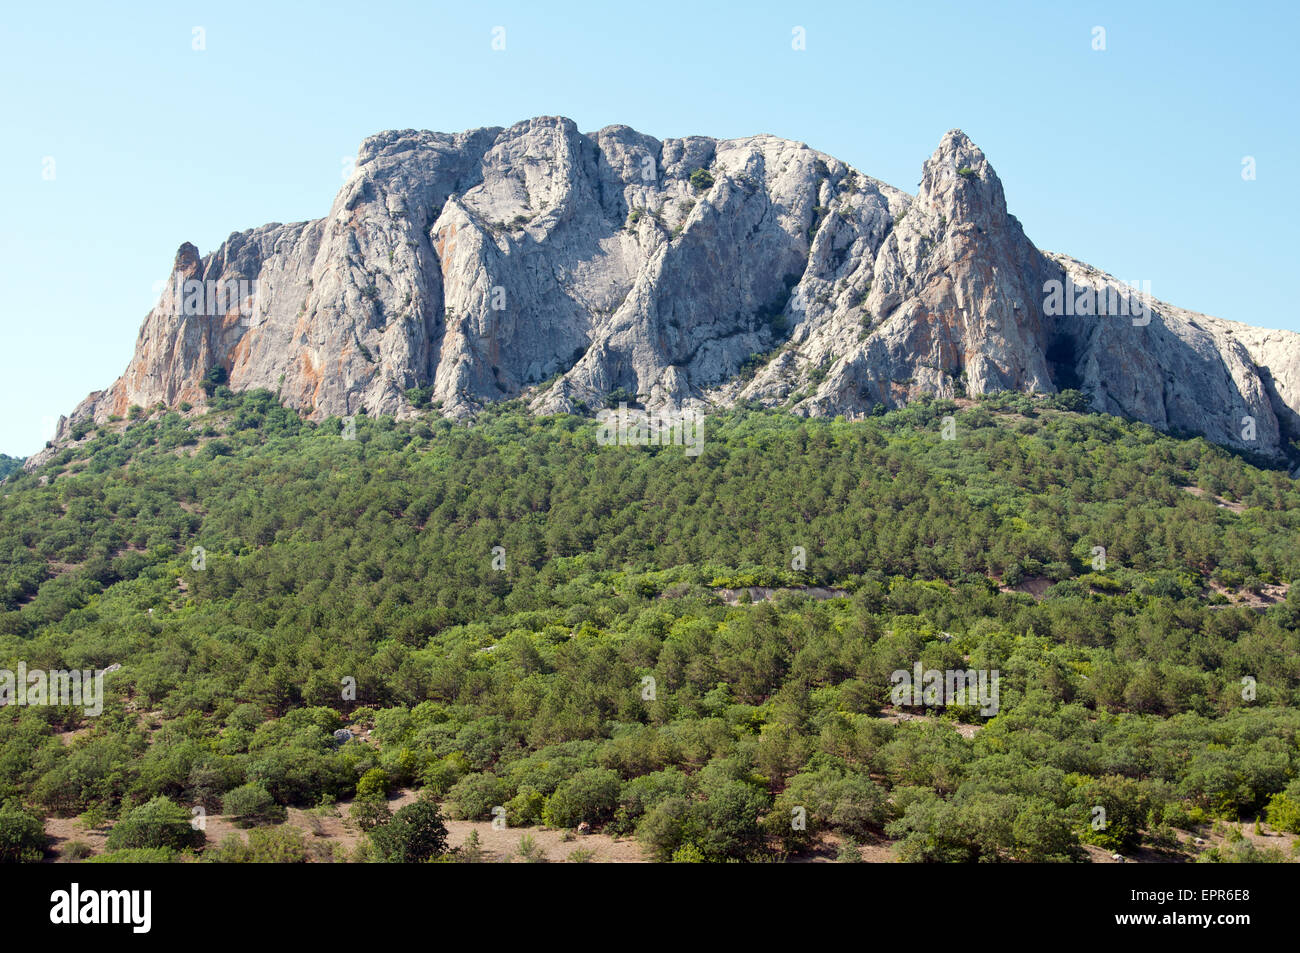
[[541, 263]]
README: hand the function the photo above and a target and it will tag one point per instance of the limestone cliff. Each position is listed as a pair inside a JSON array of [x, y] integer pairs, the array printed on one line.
[[544, 263]]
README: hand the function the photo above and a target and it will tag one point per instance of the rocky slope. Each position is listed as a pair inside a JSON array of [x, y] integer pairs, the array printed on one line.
[[560, 267]]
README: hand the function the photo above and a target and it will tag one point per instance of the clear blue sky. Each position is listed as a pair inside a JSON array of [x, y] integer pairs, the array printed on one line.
[[1129, 158]]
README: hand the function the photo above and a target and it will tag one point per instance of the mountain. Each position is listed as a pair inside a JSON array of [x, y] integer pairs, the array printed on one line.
[[541, 263]]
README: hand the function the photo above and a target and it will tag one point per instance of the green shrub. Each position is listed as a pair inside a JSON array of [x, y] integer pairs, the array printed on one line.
[[367, 813], [590, 795], [688, 854], [470, 851], [76, 850], [251, 804], [22, 836], [830, 799], [849, 852], [438, 777], [1284, 813], [668, 826], [420, 397], [159, 823], [641, 794], [214, 378], [136, 855], [701, 180], [529, 851], [267, 845], [1242, 852], [374, 783], [729, 821], [525, 808], [415, 834], [473, 796]]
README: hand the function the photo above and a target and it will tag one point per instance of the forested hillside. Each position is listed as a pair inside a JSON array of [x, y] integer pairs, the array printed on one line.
[[9, 464], [536, 622]]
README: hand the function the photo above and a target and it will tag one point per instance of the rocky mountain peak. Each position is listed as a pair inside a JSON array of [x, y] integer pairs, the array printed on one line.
[[187, 261], [542, 263], [959, 184]]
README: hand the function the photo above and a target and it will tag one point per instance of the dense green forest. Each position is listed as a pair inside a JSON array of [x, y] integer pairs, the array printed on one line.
[[522, 618], [9, 464]]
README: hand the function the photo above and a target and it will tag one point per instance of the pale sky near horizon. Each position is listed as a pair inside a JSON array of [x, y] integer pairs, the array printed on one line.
[[1129, 158]]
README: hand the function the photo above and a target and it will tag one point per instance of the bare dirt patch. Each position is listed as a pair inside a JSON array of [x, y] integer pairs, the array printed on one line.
[[827, 850], [69, 737], [64, 831], [1195, 842], [1033, 586], [733, 597], [1218, 501], [1268, 595], [896, 715], [502, 846]]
